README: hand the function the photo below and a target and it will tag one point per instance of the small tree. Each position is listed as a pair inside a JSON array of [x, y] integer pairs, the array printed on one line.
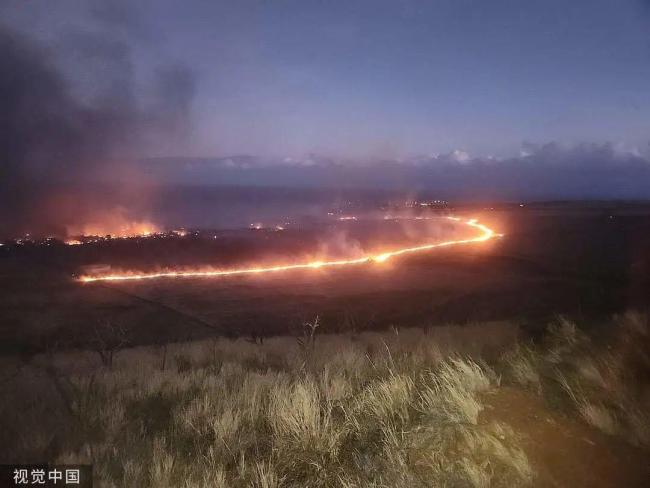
[[308, 340], [109, 339]]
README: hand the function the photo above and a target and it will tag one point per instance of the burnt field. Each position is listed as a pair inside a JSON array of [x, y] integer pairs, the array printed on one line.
[[584, 261]]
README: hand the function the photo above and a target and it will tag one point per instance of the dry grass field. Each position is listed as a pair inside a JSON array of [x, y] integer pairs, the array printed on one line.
[[473, 406], [586, 266]]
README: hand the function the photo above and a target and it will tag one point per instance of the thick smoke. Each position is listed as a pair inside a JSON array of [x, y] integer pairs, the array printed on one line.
[[57, 142]]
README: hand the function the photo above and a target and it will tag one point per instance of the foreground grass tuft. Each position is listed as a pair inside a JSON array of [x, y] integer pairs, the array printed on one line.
[[364, 410], [607, 383]]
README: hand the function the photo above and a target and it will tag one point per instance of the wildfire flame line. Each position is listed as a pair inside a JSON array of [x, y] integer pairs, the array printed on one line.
[[485, 235]]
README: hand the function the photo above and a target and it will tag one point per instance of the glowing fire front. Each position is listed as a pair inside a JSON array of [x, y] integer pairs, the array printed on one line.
[[485, 234], [114, 226]]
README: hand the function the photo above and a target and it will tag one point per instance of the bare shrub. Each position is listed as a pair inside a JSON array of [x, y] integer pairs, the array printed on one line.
[[308, 340], [109, 339]]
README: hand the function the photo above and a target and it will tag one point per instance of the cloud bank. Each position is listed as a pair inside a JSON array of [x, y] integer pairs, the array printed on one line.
[[541, 171]]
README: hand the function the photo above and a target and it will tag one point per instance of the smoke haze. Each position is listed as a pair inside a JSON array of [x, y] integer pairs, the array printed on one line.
[[99, 114], [58, 141]]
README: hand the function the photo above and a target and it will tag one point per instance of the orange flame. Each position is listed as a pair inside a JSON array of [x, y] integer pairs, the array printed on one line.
[[485, 234], [116, 227]]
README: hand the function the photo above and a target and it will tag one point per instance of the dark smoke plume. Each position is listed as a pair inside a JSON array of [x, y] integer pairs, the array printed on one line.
[[55, 144]]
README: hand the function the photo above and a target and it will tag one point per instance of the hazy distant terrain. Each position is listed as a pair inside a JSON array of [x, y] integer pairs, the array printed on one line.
[[579, 260]]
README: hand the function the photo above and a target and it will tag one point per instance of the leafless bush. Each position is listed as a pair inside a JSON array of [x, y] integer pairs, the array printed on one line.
[[109, 339], [307, 342]]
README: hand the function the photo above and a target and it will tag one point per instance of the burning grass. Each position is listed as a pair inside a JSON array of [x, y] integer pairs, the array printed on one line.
[[485, 234]]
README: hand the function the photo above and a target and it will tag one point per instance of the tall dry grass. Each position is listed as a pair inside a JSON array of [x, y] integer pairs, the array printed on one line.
[[374, 409], [607, 382], [392, 409]]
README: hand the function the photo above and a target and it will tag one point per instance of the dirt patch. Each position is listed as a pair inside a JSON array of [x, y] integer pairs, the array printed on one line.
[[563, 451]]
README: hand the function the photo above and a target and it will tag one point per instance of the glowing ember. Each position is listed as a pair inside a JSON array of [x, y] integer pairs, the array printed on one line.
[[485, 234]]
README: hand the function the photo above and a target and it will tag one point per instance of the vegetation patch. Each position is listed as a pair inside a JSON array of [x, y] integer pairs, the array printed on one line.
[[401, 408]]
